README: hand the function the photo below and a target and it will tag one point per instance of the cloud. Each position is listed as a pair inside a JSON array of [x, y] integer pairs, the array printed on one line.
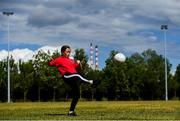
[[22, 54], [42, 17], [128, 25], [25, 54], [3, 54], [17, 54]]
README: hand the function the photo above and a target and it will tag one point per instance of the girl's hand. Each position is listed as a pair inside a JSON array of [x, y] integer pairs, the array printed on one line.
[[78, 61], [50, 58]]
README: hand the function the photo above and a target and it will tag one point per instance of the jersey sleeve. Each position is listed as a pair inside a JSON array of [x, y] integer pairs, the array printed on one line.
[[54, 62]]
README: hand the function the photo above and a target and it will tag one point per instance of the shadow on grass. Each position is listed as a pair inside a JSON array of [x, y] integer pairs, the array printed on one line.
[[56, 114]]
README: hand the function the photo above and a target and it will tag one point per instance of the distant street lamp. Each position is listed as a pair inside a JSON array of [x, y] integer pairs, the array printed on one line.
[[8, 89], [165, 28]]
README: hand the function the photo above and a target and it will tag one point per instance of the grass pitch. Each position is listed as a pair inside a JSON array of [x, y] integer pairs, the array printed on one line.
[[92, 110]]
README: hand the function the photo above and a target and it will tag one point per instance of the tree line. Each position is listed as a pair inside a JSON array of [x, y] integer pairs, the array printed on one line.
[[141, 77]]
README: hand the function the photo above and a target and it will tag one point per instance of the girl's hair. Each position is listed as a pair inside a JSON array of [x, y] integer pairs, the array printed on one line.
[[64, 47]]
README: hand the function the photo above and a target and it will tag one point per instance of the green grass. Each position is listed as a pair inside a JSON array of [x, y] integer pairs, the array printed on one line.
[[112, 110]]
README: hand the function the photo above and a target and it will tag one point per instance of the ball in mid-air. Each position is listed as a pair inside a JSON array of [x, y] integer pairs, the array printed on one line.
[[120, 57]]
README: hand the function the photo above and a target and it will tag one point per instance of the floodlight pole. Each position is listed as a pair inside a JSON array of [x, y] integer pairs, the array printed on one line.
[[8, 89], [165, 28]]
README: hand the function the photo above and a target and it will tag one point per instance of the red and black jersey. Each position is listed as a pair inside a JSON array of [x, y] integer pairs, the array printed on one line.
[[64, 64]]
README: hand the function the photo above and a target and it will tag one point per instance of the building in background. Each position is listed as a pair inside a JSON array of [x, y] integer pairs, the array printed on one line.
[[92, 64]]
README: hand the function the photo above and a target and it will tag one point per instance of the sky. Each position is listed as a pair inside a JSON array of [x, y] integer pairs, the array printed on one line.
[[127, 26]]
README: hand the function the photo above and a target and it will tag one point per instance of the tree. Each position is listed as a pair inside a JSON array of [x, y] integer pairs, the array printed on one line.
[[80, 55], [140, 77], [23, 80], [3, 80], [154, 75], [115, 78], [176, 82], [136, 68], [47, 78]]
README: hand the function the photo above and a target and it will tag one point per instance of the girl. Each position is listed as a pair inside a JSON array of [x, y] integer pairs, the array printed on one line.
[[68, 69]]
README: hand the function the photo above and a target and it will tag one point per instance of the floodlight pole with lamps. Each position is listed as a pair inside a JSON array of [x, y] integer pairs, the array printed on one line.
[[8, 89], [165, 28]]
